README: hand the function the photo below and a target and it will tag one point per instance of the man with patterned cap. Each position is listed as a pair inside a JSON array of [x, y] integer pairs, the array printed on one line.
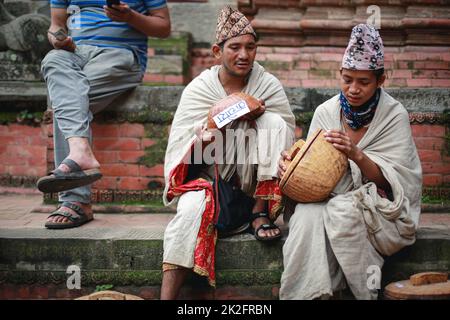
[[374, 210], [189, 240]]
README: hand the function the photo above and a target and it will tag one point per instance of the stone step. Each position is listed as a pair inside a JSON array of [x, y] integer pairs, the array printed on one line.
[[114, 208], [125, 250]]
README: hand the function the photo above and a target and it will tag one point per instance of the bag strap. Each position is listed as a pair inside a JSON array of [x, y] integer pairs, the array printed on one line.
[[216, 193]]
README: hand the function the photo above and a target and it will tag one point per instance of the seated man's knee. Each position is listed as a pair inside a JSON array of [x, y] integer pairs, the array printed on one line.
[[306, 215], [271, 120], [54, 58], [191, 204]]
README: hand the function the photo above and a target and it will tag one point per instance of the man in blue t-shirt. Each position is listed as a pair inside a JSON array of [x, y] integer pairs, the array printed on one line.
[[100, 52]]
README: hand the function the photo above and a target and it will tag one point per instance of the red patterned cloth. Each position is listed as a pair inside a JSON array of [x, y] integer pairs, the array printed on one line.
[[270, 190], [204, 253]]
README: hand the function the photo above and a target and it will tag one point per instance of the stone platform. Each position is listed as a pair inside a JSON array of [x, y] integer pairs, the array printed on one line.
[[125, 250]]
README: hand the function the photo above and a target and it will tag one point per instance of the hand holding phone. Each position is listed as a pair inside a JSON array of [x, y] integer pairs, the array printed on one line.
[[109, 3], [60, 35], [118, 11], [60, 40]]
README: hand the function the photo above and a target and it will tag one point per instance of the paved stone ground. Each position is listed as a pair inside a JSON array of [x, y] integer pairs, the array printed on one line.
[[16, 214], [18, 221]]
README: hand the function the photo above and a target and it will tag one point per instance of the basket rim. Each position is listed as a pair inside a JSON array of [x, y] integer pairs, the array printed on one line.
[[298, 158]]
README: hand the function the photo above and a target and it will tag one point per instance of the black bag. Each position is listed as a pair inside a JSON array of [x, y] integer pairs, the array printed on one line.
[[234, 210]]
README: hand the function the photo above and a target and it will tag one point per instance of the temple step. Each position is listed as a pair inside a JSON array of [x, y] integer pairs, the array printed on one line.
[[124, 251]]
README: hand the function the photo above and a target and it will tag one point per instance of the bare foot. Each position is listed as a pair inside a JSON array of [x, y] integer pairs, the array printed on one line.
[[83, 161], [81, 153]]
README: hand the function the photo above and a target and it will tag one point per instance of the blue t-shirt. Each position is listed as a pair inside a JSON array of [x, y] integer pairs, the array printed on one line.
[[88, 24]]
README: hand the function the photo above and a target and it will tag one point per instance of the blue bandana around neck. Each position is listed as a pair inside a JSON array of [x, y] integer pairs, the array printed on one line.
[[365, 113]]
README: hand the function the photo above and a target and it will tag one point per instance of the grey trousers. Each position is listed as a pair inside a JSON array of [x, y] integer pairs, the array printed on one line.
[[80, 84]]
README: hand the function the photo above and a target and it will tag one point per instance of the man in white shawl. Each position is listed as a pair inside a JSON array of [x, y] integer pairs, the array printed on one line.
[[374, 210], [189, 239]]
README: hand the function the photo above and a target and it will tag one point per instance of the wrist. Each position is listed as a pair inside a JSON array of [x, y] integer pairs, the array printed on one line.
[[359, 156], [131, 16], [56, 27]]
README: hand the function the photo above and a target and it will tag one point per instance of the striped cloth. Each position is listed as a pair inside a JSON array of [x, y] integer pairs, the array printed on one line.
[[88, 24]]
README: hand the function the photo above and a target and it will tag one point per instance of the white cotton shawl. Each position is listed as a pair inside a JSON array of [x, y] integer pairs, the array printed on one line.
[[388, 142], [201, 94], [361, 226]]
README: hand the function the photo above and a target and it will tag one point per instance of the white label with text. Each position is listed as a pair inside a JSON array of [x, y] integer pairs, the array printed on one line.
[[231, 113]]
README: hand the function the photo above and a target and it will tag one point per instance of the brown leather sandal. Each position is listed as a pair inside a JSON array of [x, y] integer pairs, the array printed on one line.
[[74, 220], [58, 180]]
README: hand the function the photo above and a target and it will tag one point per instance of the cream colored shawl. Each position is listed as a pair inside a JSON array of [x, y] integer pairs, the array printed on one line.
[[388, 142], [201, 94], [358, 216]]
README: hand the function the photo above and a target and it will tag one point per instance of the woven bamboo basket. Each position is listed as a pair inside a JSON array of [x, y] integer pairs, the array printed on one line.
[[316, 168], [109, 295]]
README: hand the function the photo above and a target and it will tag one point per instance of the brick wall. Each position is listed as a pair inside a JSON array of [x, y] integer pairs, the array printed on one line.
[[26, 153], [433, 155], [201, 59], [157, 74], [120, 148], [168, 60], [23, 150], [318, 67]]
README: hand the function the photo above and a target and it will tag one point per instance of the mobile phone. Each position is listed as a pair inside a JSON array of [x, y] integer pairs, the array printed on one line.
[[60, 35], [109, 3]]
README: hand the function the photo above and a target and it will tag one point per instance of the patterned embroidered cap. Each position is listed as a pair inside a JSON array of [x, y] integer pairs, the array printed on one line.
[[232, 23], [365, 49]]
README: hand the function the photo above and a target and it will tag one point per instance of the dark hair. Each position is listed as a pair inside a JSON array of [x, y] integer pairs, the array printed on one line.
[[378, 73]]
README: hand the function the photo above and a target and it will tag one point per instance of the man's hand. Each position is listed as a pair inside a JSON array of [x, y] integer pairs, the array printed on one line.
[[282, 167], [260, 110], [202, 132], [342, 142], [66, 44], [253, 115], [119, 12], [369, 168]]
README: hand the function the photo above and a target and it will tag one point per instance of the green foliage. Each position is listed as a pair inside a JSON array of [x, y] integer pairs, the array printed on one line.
[[303, 120], [430, 199], [155, 154], [446, 120], [156, 84], [177, 44], [446, 149], [26, 117], [8, 117], [104, 287]]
